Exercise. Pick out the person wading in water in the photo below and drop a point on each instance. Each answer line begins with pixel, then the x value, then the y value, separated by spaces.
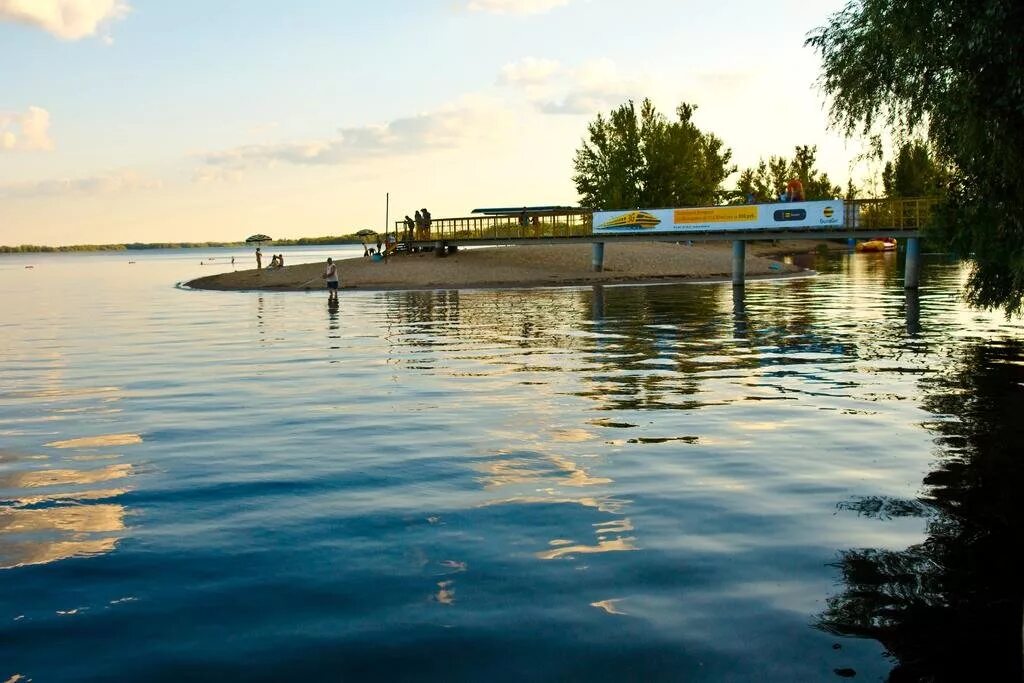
pixel 331 275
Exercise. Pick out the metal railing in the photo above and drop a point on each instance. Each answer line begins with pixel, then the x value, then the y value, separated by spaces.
pixel 892 214
pixel 888 215
pixel 574 223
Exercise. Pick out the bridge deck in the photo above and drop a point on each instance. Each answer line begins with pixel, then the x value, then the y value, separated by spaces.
pixel 864 218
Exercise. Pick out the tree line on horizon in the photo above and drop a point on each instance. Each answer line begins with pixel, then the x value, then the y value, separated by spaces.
pixel 142 246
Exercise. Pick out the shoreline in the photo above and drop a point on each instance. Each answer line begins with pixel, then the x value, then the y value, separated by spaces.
pixel 517 267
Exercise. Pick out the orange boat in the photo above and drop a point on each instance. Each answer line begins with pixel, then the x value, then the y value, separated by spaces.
pixel 883 244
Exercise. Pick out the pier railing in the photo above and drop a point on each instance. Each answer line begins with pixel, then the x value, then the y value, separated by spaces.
pixel 574 223
pixel 889 214
pixel 884 216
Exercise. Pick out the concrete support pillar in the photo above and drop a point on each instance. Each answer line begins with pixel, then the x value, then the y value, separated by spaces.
pixel 912 269
pixel 851 244
pixel 597 259
pixel 739 262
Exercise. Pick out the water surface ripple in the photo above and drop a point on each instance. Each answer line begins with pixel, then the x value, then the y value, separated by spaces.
pixel 667 482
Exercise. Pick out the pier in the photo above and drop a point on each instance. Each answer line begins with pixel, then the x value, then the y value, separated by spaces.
pixel 900 218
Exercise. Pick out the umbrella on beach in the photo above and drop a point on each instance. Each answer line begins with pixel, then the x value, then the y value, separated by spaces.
pixel 258 239
pixel 362 235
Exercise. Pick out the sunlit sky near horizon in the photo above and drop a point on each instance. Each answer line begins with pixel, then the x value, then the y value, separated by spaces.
pixel 144 121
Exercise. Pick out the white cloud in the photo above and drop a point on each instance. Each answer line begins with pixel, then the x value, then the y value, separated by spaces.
pixel 528 72
pixel 587 89
pixel 515 6
pixel 471 119
pixel 114 182
pixel 67 19
pixel 26 131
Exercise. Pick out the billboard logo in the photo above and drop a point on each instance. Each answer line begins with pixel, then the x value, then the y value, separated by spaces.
pixel 791 215
pixel 828 212
pixel 633 219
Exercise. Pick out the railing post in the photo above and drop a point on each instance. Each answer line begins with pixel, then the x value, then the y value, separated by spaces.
pixel 912 267
pixel 739 263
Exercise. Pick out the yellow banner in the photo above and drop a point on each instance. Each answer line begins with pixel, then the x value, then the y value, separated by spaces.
pixel 716 214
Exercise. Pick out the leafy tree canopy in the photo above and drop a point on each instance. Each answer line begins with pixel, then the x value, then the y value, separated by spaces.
pixel 768 179
pixel 915 173
pixel 632 160
pixel 954 69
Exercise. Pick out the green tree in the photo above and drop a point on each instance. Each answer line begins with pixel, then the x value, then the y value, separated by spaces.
pixel 769 178
pixel 914 174
pixel 955 70
pixel 631 160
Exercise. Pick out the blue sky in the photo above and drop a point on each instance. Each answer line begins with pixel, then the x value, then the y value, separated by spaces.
pixel 136 120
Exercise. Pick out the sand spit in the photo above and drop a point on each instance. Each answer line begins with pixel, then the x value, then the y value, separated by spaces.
pixel 518 266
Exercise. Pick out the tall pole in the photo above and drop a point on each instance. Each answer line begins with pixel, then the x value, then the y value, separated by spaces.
pixel 387 216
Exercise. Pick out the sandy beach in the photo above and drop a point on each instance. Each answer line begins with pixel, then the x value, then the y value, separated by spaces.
pixel 518 266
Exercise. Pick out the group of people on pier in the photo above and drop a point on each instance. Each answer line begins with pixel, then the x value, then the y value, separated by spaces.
pixel 418 228
pixel 793 192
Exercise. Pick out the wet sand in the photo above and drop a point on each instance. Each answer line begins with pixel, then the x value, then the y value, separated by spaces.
pixel 519 266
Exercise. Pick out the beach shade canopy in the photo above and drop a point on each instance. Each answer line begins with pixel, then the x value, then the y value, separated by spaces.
pixel 366 232
pixel 258 239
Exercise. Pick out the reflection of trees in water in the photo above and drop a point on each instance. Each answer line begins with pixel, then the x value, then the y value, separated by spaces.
pixel 950 607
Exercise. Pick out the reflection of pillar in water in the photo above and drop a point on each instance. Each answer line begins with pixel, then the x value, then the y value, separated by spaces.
pixel 597 303
pixel 739 312
pixel 913 310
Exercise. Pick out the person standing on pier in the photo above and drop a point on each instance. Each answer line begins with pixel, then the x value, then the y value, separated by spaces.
pixel 795 190
pixel 419 225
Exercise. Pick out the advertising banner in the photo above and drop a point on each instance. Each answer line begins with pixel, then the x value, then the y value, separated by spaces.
pixel 822 214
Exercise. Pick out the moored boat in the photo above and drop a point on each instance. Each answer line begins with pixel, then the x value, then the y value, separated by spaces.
pixel 882 244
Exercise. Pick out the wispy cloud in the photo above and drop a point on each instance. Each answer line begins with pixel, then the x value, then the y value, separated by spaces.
pixel 515 6
pixel 529 71
pixel 29 130
pixel 113 182
pixel 67 19
pixel 445 128
pixel 585 89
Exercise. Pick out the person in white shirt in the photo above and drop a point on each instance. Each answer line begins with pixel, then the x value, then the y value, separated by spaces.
pixel 331 275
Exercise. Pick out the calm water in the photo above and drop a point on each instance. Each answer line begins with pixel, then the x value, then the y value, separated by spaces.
pixel 817 478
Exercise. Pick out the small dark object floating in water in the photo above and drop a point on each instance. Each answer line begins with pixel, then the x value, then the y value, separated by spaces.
pixel 845 673
pixel 30 266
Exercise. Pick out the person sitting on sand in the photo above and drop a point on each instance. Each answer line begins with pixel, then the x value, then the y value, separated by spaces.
pixel 280 260
pixel 331 275
pixel 273 261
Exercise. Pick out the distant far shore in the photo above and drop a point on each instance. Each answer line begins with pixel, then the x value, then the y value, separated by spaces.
pixel 144 246
pixel 518 266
